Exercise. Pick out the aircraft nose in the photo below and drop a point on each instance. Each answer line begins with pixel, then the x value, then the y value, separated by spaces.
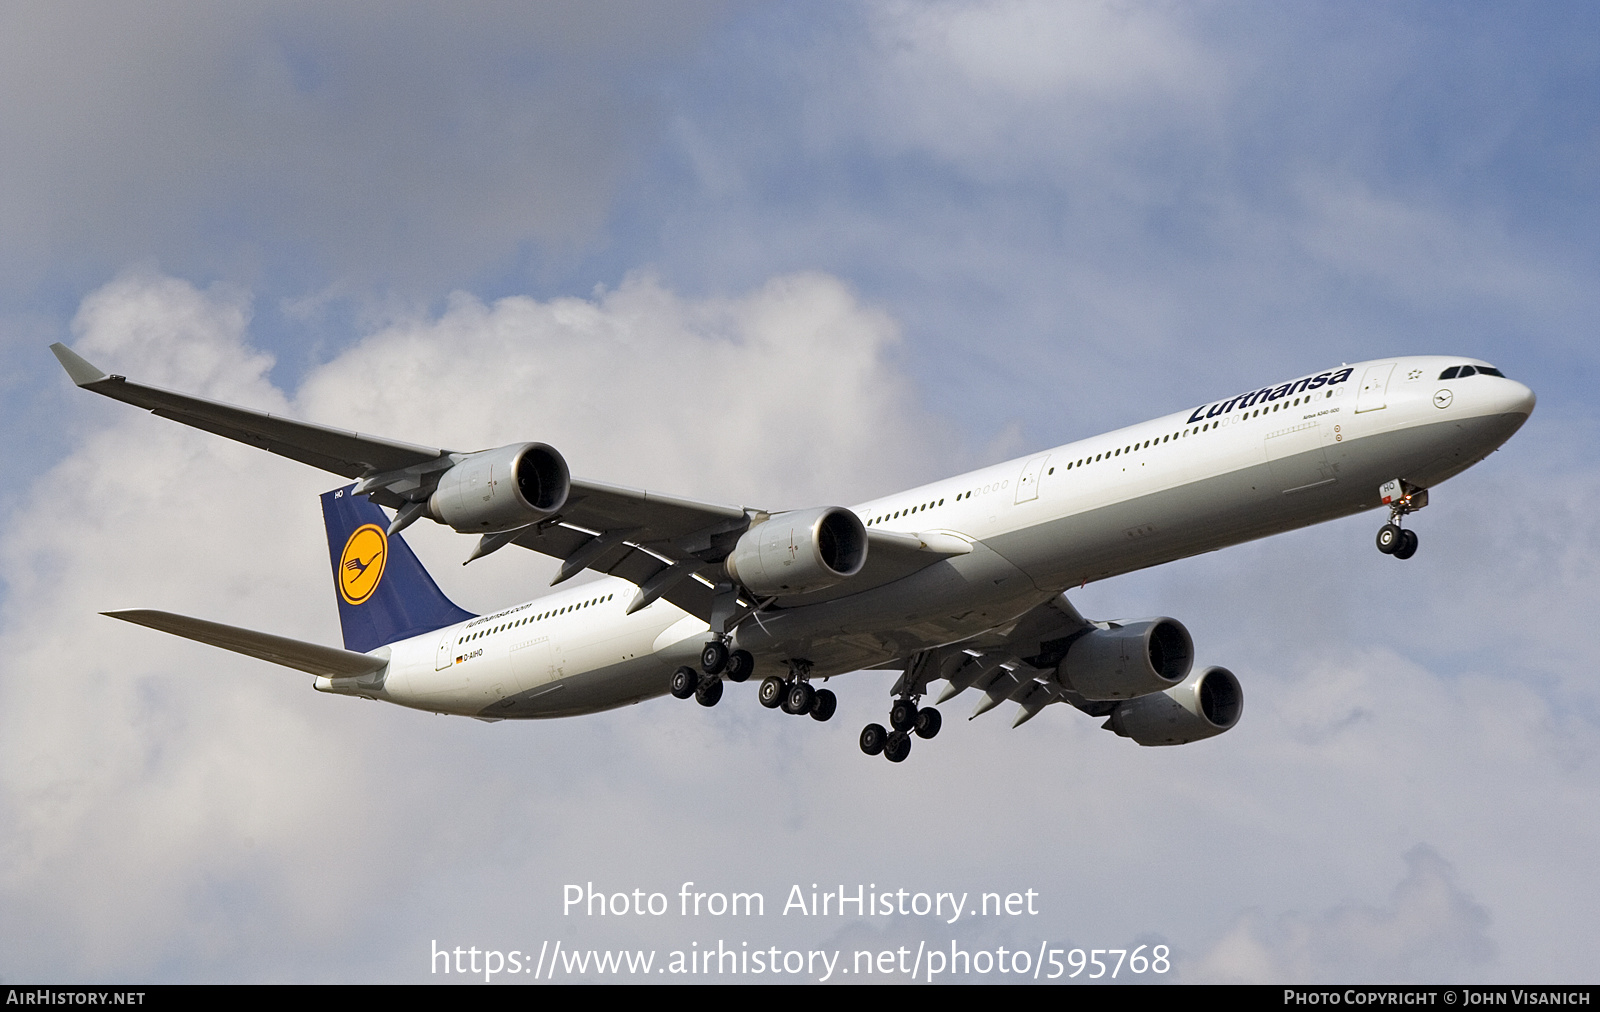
pixel 1516 399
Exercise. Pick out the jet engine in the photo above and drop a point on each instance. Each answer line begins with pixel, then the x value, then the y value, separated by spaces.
pixel 1206 704
pixel 799 551
pixel 1127 660
pixel 502 490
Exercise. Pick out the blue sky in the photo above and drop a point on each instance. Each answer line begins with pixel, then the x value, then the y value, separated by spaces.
pixel 786 255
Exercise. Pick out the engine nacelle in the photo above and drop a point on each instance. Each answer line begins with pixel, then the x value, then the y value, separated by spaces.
pixel 1206 704
pixel 1129 659
pixel 799 551
pixel 502 490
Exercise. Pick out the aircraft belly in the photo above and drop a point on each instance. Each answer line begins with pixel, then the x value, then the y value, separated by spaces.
pixel 1474 439
pixel 604 687
pixel 948 601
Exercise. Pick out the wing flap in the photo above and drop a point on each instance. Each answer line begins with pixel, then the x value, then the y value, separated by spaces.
pixel 310 657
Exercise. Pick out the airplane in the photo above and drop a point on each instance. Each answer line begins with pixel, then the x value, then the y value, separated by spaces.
pixel 962 581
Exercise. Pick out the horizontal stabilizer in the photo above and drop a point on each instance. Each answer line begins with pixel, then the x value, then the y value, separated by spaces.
pixel 315 658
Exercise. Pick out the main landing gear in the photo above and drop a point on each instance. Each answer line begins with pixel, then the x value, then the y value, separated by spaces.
pixel 716 663
pixel 1402 497
pixel 905 719
pixel 796 696
pixel 717 659
pixel 706 689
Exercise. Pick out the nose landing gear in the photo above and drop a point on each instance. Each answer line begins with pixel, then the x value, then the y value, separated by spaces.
pixel 1401 497
pixel 1396 541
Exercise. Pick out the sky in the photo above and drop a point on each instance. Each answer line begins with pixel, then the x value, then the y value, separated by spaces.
pixel 789 255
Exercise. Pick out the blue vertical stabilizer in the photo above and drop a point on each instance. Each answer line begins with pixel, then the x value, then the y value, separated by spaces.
pixel 384 593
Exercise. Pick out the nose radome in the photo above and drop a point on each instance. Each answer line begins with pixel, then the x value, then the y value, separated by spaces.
pixel 1516 399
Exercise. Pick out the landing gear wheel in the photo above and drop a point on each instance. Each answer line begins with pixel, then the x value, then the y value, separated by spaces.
pixel 897 747
pixel 709 692
pixel 772 691
pixel 714 657
pixel 1408 545
pixel 684 681
pixel 1390 537
pixel 928 723
pixel 740 664
pixel 826 703
pixel 873 738
pixel 799 699
pixel 903 715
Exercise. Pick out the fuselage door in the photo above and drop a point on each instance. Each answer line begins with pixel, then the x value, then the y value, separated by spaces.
pixel 1374 387
pixel 1028 484
pixel 447 650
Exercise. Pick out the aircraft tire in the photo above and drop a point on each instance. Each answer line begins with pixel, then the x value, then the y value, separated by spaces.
pixel 772 692
pixel 1408 545
pixel 714 657
pixel 684 681
pixel 740 665
pixel 799 699
pixel 903 716
pixel 873 737
pixel 709 692
pixel 897 747
pixel 928 722
pixel 825 704
pixel 1390 538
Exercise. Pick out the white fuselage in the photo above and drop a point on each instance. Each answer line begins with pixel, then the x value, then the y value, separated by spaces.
pixel 1272 460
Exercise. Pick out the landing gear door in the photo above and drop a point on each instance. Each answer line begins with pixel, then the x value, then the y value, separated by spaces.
pixel 1028 484
pixel 1374 387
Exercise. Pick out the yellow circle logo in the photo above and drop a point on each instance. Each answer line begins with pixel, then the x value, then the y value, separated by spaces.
pixel 361 566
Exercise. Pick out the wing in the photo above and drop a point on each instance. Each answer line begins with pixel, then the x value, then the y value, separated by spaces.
pixel 351 454
pixel 1012 662
pixel 659 542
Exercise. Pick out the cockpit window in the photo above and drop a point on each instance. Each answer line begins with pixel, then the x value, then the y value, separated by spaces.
pixel 1463 371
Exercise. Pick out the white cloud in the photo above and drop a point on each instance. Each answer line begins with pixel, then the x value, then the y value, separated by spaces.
pixel 1430 930
pixel 164 803
pixel 1004 89
pixel 173 811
